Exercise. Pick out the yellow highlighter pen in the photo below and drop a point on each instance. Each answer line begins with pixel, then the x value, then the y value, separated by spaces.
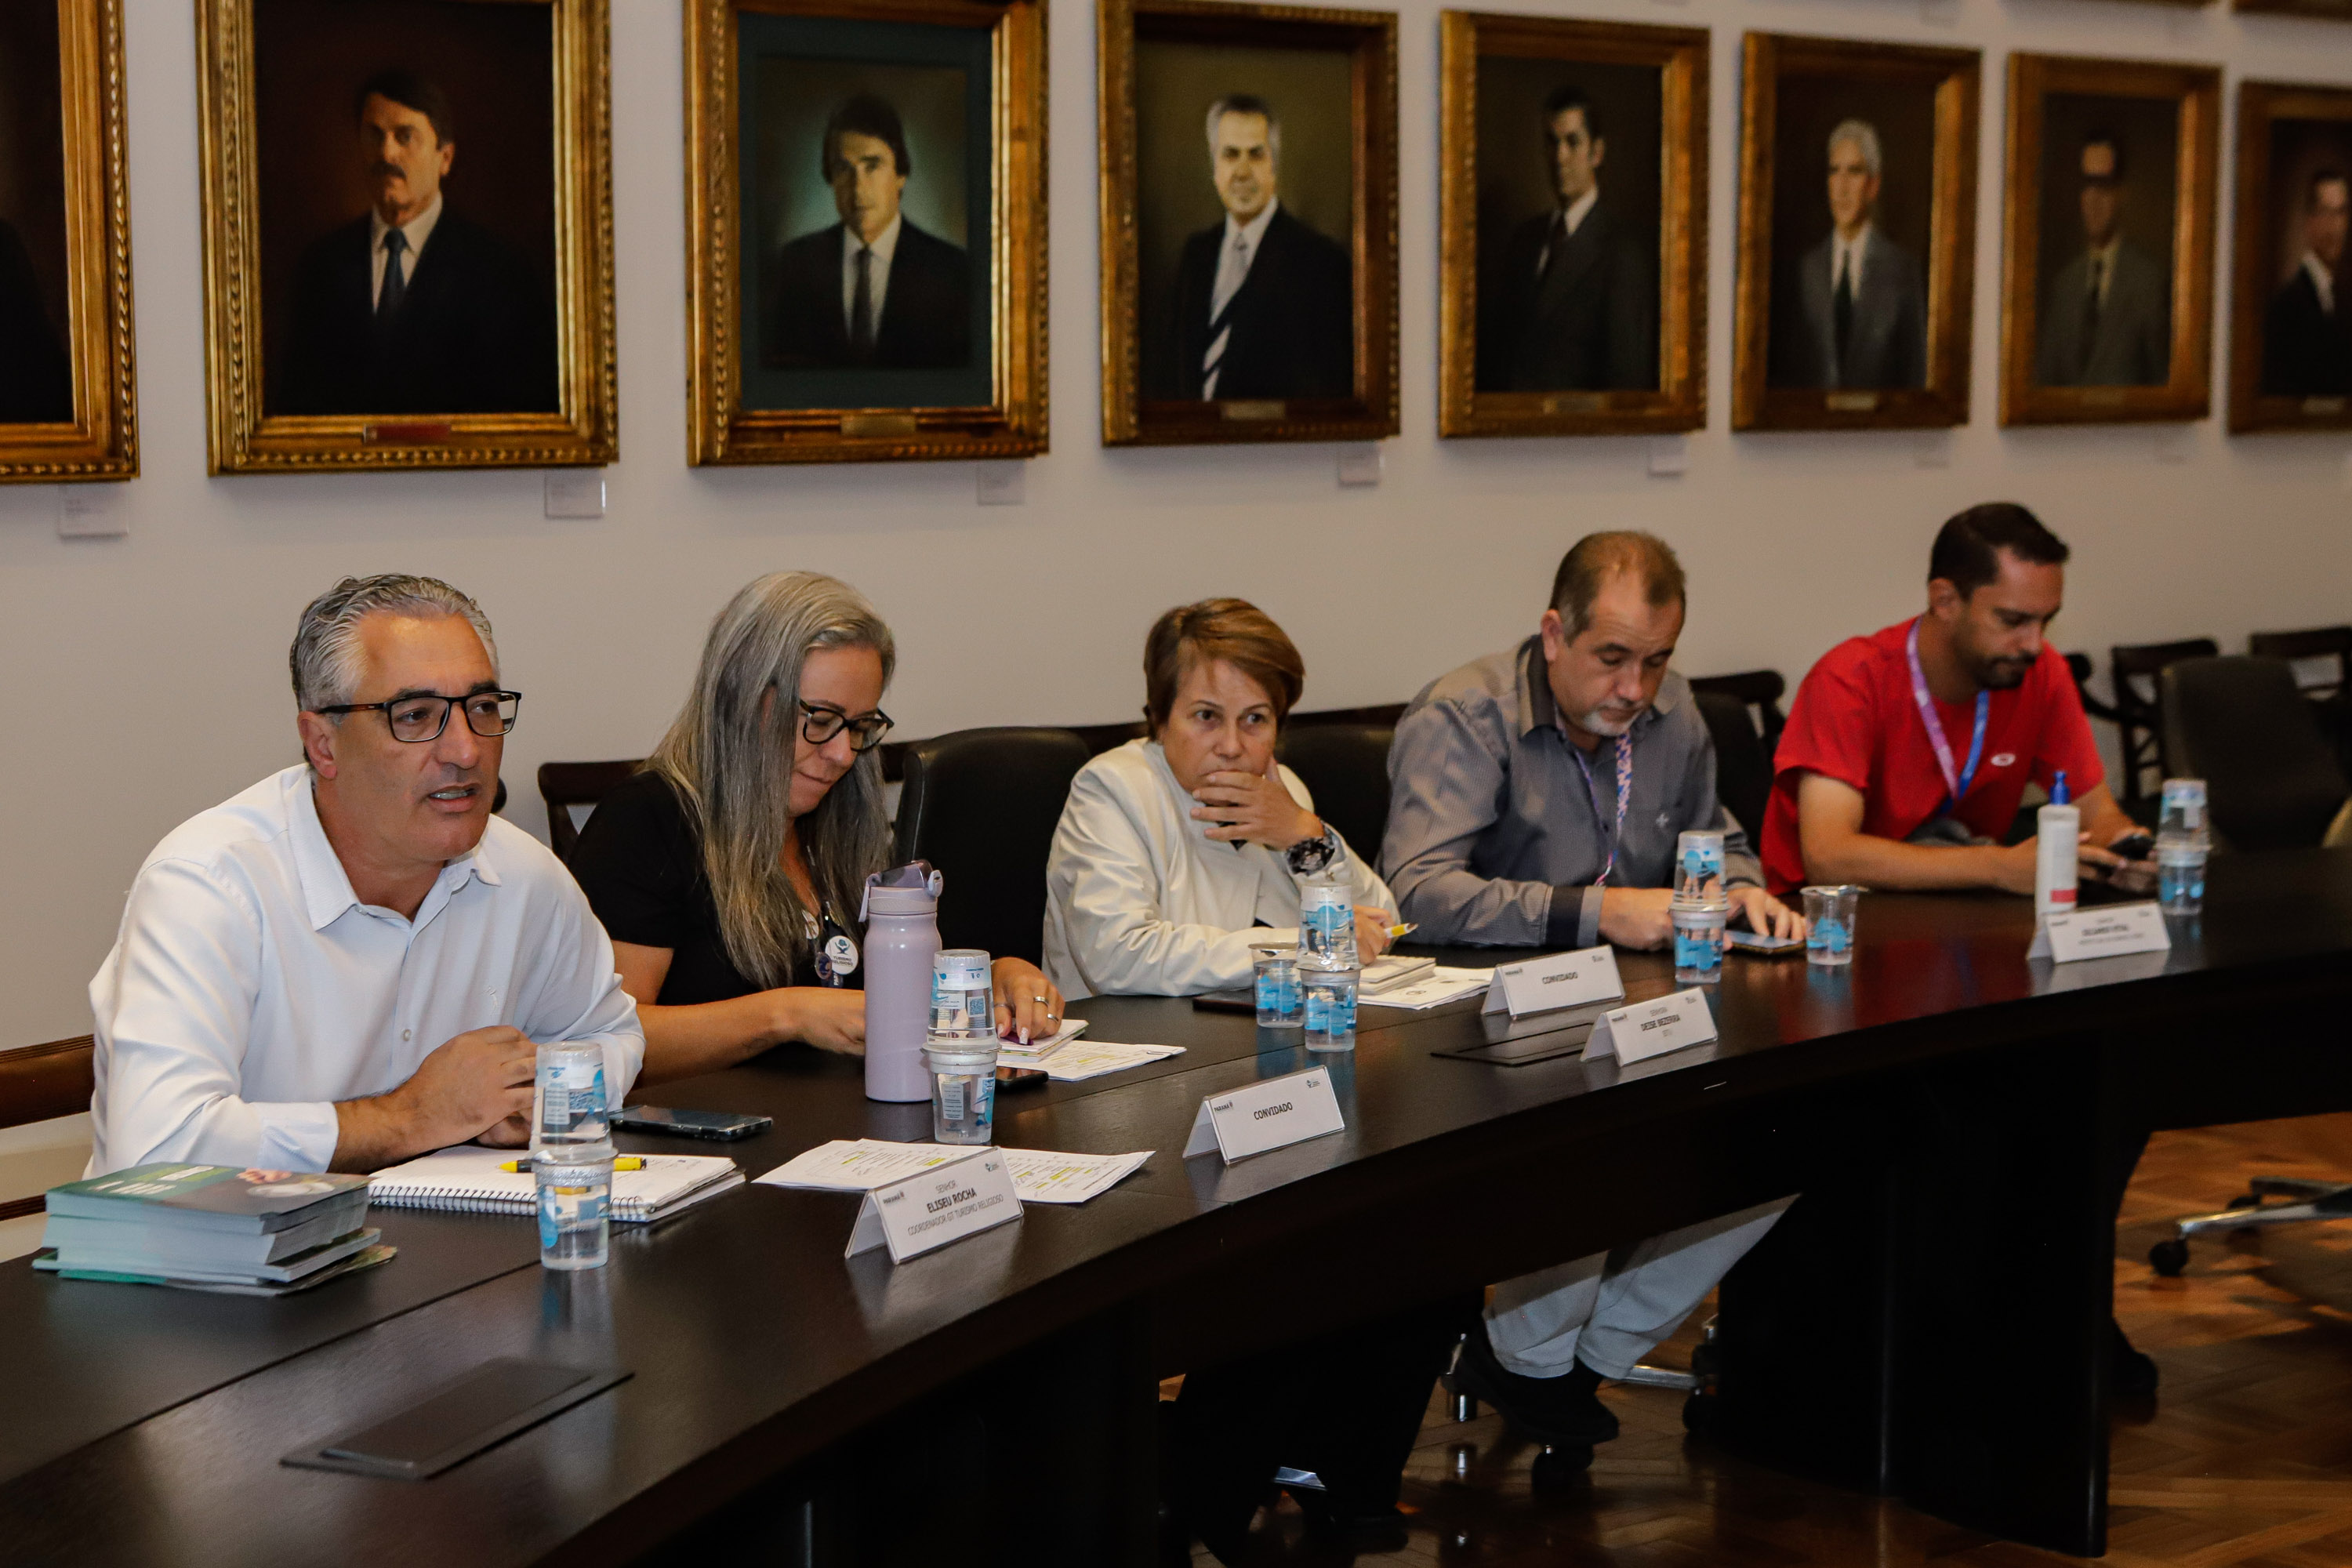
pixel 624 1162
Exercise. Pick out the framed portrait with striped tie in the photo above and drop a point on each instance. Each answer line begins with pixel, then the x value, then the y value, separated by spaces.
pixel 866 246
pixel 2107 255
pixel 408 234
pixel 1573 238
pixel 1857 235
pixel 1249 250
pixel 66 405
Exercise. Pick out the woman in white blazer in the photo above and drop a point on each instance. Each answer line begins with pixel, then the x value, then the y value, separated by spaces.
pixel 1171 850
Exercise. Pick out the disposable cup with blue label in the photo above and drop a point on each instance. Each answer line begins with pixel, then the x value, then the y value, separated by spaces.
pixel 576 1205
pixel 1829 911
pixel 963 1088
pixel 2184 838
pixel 1698 870
pixel 568 1101
pixel 962 1006
pixel 1280 1002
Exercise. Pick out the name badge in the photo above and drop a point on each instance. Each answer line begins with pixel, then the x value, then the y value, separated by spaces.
pixel 2107 933
pixel 1649 1029
pixel 1269 1115
pixel 1563 980
pixel 928 1210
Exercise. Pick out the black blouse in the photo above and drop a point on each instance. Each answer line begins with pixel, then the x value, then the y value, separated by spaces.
pixel 640 862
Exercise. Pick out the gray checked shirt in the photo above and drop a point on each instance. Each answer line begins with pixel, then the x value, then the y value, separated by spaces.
pixel 1494 833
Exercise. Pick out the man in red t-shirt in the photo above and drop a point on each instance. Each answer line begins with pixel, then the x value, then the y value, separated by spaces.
pixel 1865 792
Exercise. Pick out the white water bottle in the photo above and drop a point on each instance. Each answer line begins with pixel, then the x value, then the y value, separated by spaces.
pixel 2058 830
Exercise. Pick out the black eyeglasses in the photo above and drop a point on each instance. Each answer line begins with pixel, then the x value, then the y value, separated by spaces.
pixel 819 725
pixel 414 720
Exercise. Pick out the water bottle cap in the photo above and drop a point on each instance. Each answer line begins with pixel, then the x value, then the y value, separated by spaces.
pixel 2058 794
pixel 912 889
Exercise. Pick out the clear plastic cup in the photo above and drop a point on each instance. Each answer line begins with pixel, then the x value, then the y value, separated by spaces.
pixel 568 1095
pixel 1698 870
pixel 1326 924
pixel 1699 935
pixel 1280 1005
pixel 576 1205
pixel 1829 911
pixel 963 1090
pixel 960 994
pixel 1330 1008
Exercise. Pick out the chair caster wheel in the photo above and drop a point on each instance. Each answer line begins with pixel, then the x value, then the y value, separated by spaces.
pixel 1705 1360
pixel 2169 1259
pixel 1556 1468
pixel 1699 1415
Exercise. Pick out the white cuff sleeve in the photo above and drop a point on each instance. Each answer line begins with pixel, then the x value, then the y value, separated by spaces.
pixel 297 1137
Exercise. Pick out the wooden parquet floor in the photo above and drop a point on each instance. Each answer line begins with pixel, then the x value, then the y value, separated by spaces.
pixel 2244 1460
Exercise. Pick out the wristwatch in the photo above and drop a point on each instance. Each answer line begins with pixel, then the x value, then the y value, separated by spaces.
pixel 1310 855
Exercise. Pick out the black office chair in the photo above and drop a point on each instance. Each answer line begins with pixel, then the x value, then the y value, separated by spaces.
pixel 2271 779
pixel 2139 713
pixel 1761 690
pixel 2331 695
pixel 1346 768
pixel 981 805
pixel 564 785
pixel 1743 766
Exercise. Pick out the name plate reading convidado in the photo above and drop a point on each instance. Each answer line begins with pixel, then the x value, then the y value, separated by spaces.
pixel 2108 933
pixel 1562 980
pixel 947 1203
pixel 1270 1115
pixel 1647 1029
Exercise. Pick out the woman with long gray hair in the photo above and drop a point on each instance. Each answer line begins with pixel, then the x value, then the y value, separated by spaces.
pixel 729 871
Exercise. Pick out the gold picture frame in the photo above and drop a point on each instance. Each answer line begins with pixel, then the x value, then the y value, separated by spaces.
pixel 1359 84
pixel 99 438
pixel 2292 138
pixel 573 346
pixel 1468 262
pixel 1916 377
pixel 2173 111
pixel 744 410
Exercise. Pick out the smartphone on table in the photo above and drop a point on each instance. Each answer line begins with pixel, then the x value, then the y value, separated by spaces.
pixel 713 1126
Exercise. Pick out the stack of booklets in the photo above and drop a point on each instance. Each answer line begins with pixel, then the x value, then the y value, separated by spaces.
pixel 473 1181
pixel 211 1227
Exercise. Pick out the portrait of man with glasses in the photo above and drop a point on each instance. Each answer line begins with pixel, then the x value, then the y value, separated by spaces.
pixel 352 961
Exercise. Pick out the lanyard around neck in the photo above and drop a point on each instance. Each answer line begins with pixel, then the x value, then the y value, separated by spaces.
pixel 1624 795
pixel 1956 779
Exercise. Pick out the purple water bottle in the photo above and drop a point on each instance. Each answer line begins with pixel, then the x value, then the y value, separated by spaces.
pixel 901 913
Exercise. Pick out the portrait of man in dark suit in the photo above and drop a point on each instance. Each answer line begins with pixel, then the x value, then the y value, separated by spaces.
pixel 35 377
pixel 415 307
pixel 2106 316
pixel 2307 330
pixel 1857 316
pixel 1263 305
pixel 1573 303
pixel 872 290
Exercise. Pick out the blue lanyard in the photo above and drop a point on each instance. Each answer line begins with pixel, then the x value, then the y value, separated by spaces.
pixel 1624 795
pixel 1957 781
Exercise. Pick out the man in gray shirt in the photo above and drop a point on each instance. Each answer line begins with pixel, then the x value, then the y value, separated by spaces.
pixel 1535 798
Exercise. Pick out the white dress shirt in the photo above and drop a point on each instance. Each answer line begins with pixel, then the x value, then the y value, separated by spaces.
pixel 249 989
pixel 2322 279
pixel 1240 250
pixel 1141 901
pixel 2102 268
pixel 1848 257
pixel 1571 220
pixel 877 281
pixel 414 233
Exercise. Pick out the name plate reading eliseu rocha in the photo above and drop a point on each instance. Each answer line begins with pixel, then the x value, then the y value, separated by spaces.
pixel 1647 1029
pixel 947 1203
pixel 1269 1115
pixel 1562 980
pixel 2108 933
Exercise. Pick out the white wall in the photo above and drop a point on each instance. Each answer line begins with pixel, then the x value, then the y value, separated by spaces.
pixel 143 679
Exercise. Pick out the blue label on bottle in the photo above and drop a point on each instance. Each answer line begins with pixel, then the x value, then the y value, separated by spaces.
pixel 1829 936
pixel 1696 950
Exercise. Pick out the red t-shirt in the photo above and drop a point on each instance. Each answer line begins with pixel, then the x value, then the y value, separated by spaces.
pixel 1855 721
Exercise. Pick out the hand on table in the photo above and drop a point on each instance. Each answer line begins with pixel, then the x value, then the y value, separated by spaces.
pixel 827 1018
pixel 1028 1006
pixel 1637 917
pixel 471 1085
pixel 2106 866
pixel 1768 916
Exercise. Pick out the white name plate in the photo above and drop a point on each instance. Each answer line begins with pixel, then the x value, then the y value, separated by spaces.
pixel 1269 1115
pixel 2108 933
pixel 928 1210
pixel 1563 980
pixel 1647 1029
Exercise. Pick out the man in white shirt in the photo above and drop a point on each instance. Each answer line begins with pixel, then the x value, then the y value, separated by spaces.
pixel 348 964
pixel 1860 310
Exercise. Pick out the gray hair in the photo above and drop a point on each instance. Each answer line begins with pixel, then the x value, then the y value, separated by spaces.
pixel 1245 103
pixel 325 657
pixel 1864 135
pixel 729 755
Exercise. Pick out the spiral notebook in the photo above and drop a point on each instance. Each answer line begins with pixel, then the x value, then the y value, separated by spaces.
pixel 468 1178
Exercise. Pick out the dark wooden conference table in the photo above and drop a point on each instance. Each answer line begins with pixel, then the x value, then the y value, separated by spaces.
pixel 1929 1322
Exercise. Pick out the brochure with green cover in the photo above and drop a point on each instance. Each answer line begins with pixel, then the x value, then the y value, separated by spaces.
pixel 214 1198
pixel 48 1263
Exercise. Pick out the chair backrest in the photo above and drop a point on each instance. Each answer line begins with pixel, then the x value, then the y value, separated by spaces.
pixel 2319 642
pixel 1759 690
pixel 566 784
pixel 2139 708
pixel 1743 766
pixel 1346 768
pixel 41 1083
pixel 2270 778
pixel 981 807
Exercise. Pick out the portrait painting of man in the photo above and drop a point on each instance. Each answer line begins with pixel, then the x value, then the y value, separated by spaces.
pixel 1261 305
pixel 1569 293
pixel 36 372
pixel 2308 329
pixel 1857 313
pixel 2106 316
pixel 874 289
